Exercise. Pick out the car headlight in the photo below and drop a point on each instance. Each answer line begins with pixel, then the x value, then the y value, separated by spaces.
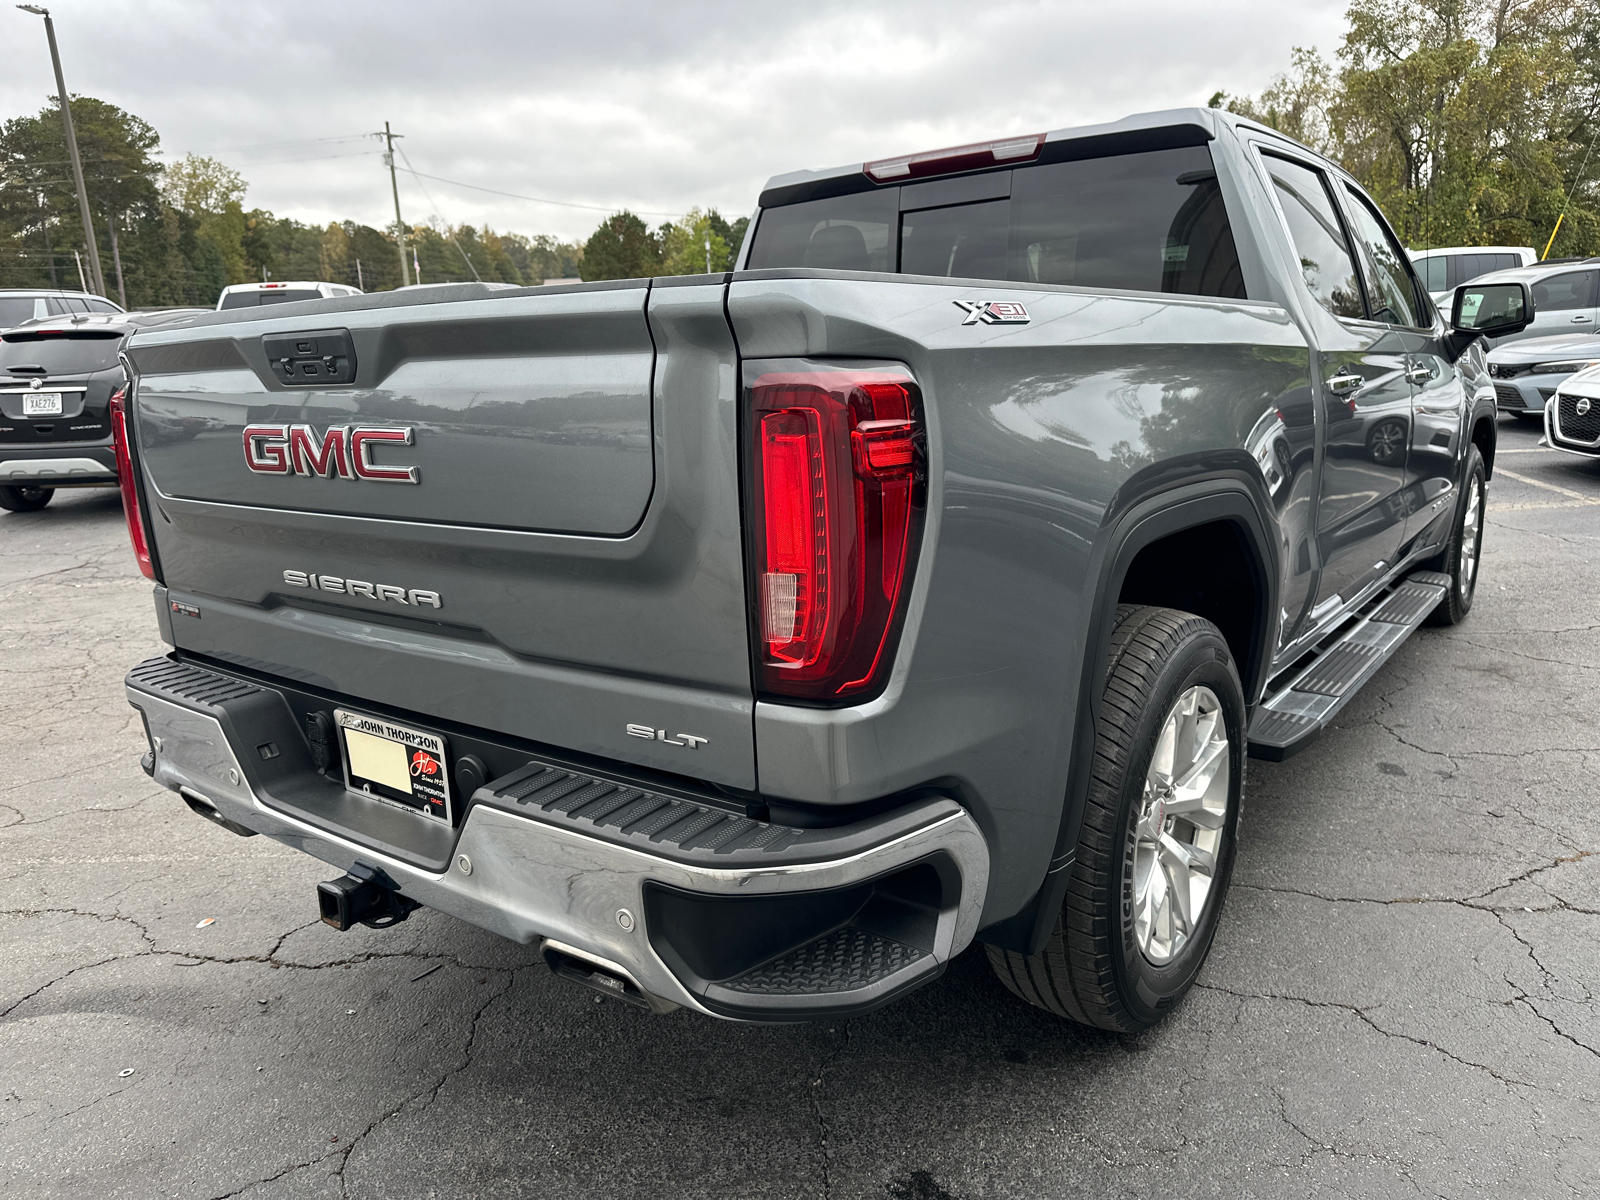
pixel 1565 367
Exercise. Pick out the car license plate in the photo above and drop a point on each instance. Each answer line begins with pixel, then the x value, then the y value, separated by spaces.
pixel 41 404
pixel 402 767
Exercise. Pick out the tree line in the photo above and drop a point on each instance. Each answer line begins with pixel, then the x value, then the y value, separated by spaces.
pixel 1471 122
pixel 177 234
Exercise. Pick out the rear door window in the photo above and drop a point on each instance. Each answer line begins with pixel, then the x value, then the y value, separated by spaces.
pixel 1435 272
pixel 1571 289
pixel 1152 221
pixel 1318 236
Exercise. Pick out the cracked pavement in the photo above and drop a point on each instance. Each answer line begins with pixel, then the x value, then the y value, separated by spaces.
pixel 1400 1001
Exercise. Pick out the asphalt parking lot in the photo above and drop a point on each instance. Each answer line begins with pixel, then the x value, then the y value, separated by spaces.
pixel 1401 999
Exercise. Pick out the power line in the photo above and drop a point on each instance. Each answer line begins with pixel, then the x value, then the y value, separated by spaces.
pixel 536 199
pixel 447 230
pixel 349 137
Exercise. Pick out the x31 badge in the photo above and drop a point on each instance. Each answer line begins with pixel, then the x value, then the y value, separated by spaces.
pixel 993 312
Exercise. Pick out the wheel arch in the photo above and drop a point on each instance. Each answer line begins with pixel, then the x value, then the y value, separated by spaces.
pixel 1141 518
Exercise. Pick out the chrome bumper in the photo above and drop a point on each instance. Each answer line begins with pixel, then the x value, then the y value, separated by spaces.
pixel 527 880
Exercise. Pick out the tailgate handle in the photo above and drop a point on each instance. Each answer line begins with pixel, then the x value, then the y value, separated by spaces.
pixel 315 358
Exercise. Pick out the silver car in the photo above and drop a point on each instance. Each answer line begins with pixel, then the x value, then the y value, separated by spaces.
pixel 1565 298
pixel 1527 373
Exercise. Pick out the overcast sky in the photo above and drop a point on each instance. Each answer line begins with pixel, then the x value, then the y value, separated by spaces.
pixel 611 104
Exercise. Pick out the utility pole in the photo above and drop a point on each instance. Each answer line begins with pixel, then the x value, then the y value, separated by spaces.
pixel 116 257
pixel 360 283
pixel 72 148
pixel 708 254
pixel 400 225
pixel 44 224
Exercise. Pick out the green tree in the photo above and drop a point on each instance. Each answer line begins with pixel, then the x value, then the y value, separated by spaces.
pixel 622 248
pixel 1469 120
pixel 40 222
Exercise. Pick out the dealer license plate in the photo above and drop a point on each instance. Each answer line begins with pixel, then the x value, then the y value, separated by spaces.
pixel 41 404
pixel 403 767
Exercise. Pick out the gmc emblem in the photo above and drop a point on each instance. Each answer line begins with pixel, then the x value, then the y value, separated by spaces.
pixel 343 451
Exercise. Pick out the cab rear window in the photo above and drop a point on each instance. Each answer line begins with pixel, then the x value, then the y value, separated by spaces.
pixel 256 299
pixel 1152 221
pixel 80 352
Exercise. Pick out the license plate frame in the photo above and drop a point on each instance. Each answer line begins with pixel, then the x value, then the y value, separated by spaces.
pixel 43 404
pixel 397 765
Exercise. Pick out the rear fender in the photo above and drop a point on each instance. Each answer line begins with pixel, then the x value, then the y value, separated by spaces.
pixel 1141 516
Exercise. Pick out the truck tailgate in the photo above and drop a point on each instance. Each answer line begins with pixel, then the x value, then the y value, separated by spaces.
pixel 567 562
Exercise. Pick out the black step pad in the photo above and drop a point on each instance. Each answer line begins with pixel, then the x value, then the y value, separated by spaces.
pixel 1411 601
pixel 1336 671
pixel 841 961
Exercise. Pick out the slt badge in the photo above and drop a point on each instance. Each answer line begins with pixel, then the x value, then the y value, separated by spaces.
pixel 993 312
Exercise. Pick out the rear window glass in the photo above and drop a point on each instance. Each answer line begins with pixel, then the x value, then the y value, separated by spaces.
pixel 75 355
pixel 14 310
pixel 1151 221
pixel 845 233
pixel 256 299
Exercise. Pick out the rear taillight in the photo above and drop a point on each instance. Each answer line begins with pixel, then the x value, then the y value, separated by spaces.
pixel 837 458
pixel 125 480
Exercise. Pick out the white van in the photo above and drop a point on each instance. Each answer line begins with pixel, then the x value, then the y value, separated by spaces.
pixel 1445 268
pixel 252 295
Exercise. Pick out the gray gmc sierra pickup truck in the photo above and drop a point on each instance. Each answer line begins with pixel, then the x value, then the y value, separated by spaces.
pixel 753 643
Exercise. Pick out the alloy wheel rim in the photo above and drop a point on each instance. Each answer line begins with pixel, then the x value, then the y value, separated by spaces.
pixel 1179 828
pixel 1471 531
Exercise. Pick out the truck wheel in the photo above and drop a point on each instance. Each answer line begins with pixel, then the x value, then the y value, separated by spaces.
pixel 1459 558
pixel 25 499
pixel 1156 847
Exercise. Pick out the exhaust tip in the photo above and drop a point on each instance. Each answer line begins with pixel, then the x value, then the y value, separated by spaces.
pixel 600 977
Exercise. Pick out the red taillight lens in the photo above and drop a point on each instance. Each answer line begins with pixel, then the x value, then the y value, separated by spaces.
pixel 125 480
pixel 837 456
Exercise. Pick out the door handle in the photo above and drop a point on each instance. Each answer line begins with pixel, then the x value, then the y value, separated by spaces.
pixel 1419 373
pixel 1343 385
pixel 1580 320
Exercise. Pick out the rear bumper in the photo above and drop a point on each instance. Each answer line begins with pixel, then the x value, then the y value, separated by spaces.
pixel 57 466
pixel 757 922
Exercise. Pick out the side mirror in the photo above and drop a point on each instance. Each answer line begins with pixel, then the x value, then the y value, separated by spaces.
pixel 1488 310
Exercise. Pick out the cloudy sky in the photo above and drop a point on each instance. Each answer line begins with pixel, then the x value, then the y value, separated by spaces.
pixel 612 104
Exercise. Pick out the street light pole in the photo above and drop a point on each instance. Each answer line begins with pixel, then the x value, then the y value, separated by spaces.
pixel 399 225
pixel 72 148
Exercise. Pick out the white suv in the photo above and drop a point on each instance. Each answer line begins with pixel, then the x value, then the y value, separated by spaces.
pixel 252 295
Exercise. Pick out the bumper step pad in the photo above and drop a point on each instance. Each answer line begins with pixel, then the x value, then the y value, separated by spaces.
pixel 841 961
pixel 1289 720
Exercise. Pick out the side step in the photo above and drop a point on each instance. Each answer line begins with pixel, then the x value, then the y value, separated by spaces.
pixel 1290 719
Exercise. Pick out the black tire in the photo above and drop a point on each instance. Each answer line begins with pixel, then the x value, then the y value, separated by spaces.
pixel 1093 969
pixel 25 499
pixel 1463 568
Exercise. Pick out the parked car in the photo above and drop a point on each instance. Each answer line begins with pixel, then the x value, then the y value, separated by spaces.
pixel 28 304
pixel 754 643
pixel 1566 298
pixel 1572 415
pixel 1526 372
pixel 1445 268
pixel 254 295
pixel 57 376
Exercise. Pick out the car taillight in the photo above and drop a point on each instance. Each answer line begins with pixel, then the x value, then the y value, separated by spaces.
pixel 837 457
pixel 129 486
